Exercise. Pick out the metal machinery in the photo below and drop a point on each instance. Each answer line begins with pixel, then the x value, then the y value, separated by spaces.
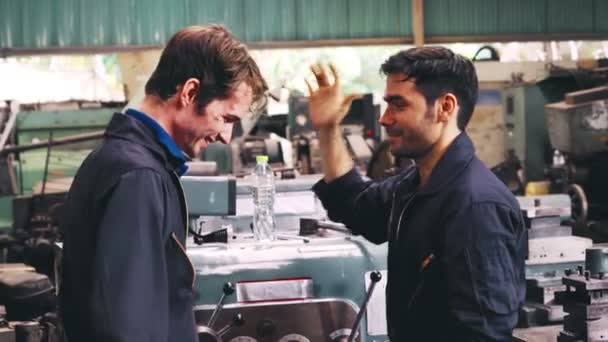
pixel 539 122
pixel 578 129
pixel 585 300
pixel 311 286
pixel 34 188
pixel 552 250
pixel 291 142
pixel 360 128
pixel 525 129
pixel 308 285
pixel 316 282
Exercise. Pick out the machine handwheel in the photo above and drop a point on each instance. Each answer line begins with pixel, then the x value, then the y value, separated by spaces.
pixel 580 206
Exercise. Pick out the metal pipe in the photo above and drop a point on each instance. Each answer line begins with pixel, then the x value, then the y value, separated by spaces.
pixel 54 142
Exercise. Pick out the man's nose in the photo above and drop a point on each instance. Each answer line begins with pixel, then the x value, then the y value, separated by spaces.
pixel 385 119
pixel 225 136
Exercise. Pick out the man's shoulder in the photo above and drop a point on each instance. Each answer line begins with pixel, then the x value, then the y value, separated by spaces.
pixel 123 154
pixel 112 159
pixel 477 185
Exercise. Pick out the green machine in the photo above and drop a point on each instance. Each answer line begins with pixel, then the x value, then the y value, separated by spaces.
pixel 526 128
pixel 319 284
pixel 63 161
pixel 45 168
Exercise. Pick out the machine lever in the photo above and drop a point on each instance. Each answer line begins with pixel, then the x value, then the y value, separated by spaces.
pixel 309 226
pixel 375 277
pixel 237 321
pixel 227 290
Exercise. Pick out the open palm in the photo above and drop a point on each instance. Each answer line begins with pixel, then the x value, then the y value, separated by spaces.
pixel 327 105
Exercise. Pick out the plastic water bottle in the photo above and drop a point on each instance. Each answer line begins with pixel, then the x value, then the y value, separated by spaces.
pixel 263 200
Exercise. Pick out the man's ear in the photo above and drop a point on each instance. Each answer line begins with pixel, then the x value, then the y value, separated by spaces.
pixel 188 92
pixel 448 105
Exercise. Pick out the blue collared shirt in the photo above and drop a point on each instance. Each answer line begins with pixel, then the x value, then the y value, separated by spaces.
pixel 163 138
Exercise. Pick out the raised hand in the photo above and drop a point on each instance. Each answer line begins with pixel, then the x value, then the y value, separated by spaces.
pixel 327 105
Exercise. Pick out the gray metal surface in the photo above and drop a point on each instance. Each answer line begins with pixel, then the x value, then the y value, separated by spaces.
pixel 596 259
pixel 586 312
pixel 308 320
pixel 561 249
pixel 553 200
pixel 335 263
pixel 253 291
pixel 546 232
pixel 537 334
pixel 210 195
pixel 7 334
pixel 595 329
pixel 579 129
pixel 586 285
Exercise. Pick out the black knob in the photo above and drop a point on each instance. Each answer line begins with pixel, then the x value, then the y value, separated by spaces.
pixel 375 276
pixel 587 275
pixel 537 202
pixel 266 328
pixel 568 272
pixel 238 320
pixel 228 288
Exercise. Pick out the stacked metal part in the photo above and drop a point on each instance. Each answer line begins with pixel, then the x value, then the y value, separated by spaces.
pixel 586 299
pixel 551 250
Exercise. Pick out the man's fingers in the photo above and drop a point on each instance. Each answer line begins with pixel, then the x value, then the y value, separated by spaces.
pixel 310 91
pixel 321 76
pixel 334 72
pixel 348 100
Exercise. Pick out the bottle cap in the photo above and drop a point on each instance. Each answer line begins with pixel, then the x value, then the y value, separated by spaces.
pixel 261 159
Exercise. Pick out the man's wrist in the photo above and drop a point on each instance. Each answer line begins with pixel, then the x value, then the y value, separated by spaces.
pixel 330 129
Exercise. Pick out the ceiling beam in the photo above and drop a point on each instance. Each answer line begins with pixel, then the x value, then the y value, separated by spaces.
pixel 418 22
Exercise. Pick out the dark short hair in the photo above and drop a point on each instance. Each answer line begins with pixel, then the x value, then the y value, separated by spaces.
pixel 212 55
pixel 436 71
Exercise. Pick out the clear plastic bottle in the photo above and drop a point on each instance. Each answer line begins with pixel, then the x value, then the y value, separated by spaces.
pixel 263 200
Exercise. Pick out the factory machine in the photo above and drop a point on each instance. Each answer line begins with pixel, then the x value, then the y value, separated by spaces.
pixel 315 282
pixel 578 130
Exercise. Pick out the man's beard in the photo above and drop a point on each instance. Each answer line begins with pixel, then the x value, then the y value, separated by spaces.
pixel 416 149
pixel 413 152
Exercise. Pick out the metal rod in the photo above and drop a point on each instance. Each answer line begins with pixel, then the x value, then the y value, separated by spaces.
pixel 217 310
pixel 56 142
pixel 46 163
pixel 375 277
pixel 8 127
pixel 237 321
pixel 338 227
pixel 225 329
